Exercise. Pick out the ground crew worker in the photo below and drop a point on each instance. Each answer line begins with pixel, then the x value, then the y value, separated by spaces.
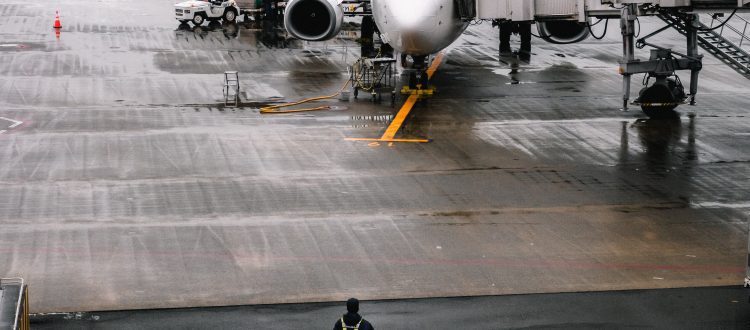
pixel 352 320
pixel 366 37
pixel 523 28
pixel 269 12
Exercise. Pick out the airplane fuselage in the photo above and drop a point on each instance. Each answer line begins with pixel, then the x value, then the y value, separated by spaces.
pixel 418 27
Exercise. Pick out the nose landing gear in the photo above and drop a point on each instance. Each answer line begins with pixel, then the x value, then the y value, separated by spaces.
pixel 419 79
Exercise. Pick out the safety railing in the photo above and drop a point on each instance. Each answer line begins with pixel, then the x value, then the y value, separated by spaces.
pixel 737 27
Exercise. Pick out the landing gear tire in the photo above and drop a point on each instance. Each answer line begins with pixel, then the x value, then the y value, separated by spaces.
pixel 198 20
pixel 356 92
pixel 412 80
pixel 658 101
pixel 424 80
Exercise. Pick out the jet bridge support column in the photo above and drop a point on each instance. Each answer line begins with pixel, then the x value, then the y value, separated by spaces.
pixel 627 28
pixel 692 52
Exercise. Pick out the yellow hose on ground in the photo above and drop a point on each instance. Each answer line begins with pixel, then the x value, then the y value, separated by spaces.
pixel 275 108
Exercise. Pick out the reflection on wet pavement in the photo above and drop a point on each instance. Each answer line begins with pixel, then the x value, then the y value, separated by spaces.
pixel 127 174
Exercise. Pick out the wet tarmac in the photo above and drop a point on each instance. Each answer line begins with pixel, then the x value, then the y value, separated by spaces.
pixel 125 183
pixel 686 308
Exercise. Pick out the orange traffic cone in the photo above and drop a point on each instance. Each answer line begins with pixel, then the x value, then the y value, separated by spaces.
pixel 57 25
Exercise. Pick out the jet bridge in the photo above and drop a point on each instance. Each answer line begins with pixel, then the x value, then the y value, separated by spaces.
pixel 544 10
pixel 568 21
pixel 666 93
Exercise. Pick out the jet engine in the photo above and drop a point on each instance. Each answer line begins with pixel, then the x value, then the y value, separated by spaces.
pixel 563 32
pixel 313 20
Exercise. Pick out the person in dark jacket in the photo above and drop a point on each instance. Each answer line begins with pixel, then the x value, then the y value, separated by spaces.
pixel 352 320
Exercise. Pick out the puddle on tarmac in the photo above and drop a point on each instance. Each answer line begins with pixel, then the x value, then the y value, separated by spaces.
pixel 365 121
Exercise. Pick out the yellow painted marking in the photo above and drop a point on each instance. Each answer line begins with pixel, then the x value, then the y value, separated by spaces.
pixel 435 65
pixel 398 121
pixel 376 140
pixel 408 91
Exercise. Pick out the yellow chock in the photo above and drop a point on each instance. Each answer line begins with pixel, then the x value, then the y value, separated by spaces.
pixel 418 91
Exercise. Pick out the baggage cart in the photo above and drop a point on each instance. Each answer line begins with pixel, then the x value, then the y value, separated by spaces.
pixel 374 75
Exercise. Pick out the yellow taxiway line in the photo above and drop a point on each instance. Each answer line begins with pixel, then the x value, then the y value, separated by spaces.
pixel 398 121
pixel 388 140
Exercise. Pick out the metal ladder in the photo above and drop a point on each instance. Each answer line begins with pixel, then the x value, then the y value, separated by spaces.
pixel 715 43
pixel 231 88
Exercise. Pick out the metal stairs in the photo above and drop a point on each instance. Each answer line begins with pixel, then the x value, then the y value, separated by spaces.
pixel 231 89
pixel 713 40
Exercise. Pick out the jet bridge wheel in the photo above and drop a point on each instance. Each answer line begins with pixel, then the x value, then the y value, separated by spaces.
pixel 658 101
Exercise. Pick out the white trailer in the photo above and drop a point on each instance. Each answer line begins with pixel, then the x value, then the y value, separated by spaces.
pixel 543 10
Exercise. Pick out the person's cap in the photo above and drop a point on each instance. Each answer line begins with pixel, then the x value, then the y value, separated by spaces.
pixel 352 305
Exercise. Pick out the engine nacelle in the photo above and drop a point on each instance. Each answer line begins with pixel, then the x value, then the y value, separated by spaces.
pixel 563 32
pixel 313 20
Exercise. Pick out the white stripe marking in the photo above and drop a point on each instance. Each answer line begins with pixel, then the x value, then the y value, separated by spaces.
pixel 711 205
pixel 15 123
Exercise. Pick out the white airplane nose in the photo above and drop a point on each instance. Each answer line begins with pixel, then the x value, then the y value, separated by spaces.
pixel 415 21
pixel 415 14
pixel 413 41
pixel 417 27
